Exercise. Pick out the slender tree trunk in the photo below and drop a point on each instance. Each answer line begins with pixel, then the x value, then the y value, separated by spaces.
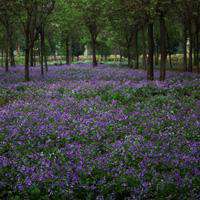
pixel 2 55
pixel 46 62
pixel 150 69
pixel 94 58
pixel 27 55
pixel 7 59
pixel 67 51
pixel 42 50
pixel 129 56
pixel 190 65
pixel 170 60
pixel 136 51
pixel 197 45
pixel 12 56
pixel 157 54
pixel 32 57
pixel 45 52
pixel 144 49
pixel 185 47
pixel 163 50
pixel 7 46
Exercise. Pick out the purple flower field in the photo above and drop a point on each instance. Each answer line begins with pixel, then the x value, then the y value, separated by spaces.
pixel 99 133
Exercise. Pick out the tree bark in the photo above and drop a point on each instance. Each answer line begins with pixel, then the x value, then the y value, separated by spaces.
pixel 190 65
pixel 27 54
pixel 42 50
pixel 144 49
pixel 7 42
pixel 170 60
pixel 163 45
pixel 7 59
pixel 185 46
pixel 129 56
pixel 136 51
pixel 67 44
pixel 32 57
pixel 196 52
pixel 12 56
pixel 157 54
pixel 46 62
pixel 150 69
pixel 94 58
pixel 2 55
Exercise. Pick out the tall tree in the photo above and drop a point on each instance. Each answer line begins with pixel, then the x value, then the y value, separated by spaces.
pixel 93 16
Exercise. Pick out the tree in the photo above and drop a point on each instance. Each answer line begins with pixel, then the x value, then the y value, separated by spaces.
pixel 8 20
pixel 162 8
pixel 93 16
pixel 67 20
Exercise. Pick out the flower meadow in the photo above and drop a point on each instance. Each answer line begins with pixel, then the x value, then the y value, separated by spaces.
pixel 99 133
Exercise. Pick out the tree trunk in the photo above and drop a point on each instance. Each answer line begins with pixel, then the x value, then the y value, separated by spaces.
pixel 129 57
pixel 9 45
pixel 12 56
pixel 31 57
pixel 27 54
pixel 46 62
pixel 42 50
pixel 150 69
pixel 2 55
pixel 190 66
pixel 185 47
pixel 136 51
pixel 67 51
pixel 45 52
pixel 170 60
pixel 34 59
pixel 163 45
pixel 7 42
pixel 7 59
pixel 157 54
pixel 197 45
pixel 94 58
pixel 144 49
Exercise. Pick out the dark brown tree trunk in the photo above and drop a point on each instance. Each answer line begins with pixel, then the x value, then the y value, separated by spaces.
pixel 31 57
pixel 94 58
pixel 196 52
pixel 150 69
pixel 12 56
pixel 42 50
pixel 2 55
pixel 157 54
pixel 185 47
pixel 34 59
pixel 144 49
pixel 163 51
pixel 136 51
pixel 7 59
pixel 45 52
pixel 129 56
pixel 67 51
pixel 46 62
pixel 190 65
pixel 7 46
pixel 170 60
pixel 27 54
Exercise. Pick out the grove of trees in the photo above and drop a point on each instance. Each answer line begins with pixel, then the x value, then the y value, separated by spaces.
pixel 143 32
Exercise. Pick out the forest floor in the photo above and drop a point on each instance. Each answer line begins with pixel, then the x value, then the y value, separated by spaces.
pixel 97 133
